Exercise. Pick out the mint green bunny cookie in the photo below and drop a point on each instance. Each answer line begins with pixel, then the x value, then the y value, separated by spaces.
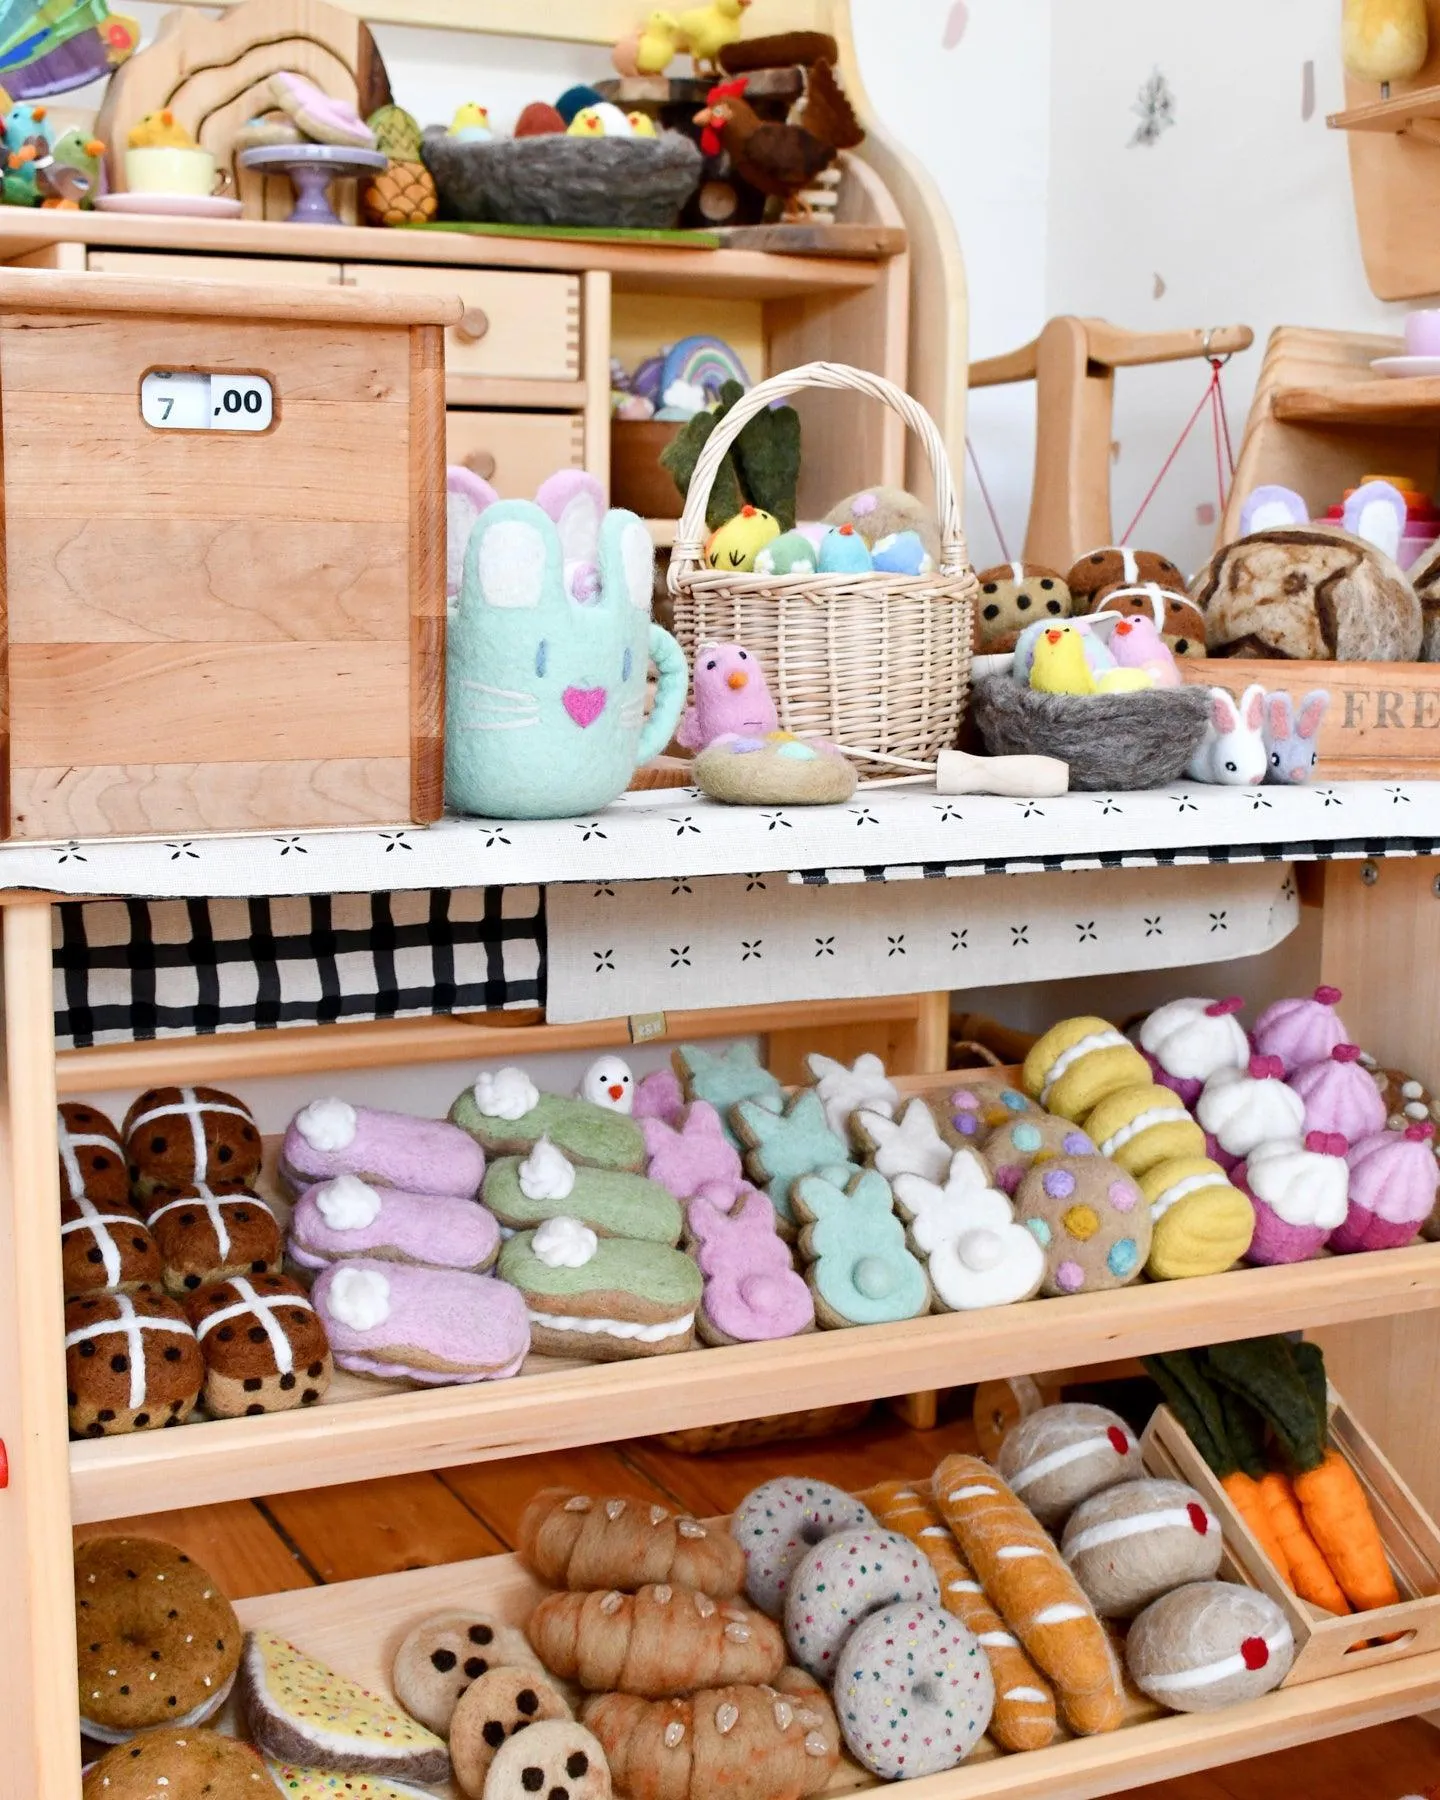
pixel 546 666
pixel 725 1078
pixel 861 1270
pixel 780 1147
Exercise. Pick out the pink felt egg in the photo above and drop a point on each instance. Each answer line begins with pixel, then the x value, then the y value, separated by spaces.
pixel 1393 1183
pixel 1301 1031
pixel 1339 1095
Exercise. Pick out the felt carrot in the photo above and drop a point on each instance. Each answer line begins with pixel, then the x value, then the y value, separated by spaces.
pixel 1310 1574
pixel 1340 1520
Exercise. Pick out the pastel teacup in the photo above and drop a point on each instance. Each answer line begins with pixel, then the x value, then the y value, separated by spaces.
pixel 171 169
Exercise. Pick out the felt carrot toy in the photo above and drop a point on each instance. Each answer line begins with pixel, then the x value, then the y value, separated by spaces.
pixel 1310 1574
pixel 1199 1409
pixel 1289 1391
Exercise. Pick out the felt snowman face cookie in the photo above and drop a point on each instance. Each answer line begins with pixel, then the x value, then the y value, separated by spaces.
pixel 1090 1219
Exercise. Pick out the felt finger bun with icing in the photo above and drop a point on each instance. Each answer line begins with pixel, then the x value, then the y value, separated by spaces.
pixel 1077 1063
pixel 1138 1127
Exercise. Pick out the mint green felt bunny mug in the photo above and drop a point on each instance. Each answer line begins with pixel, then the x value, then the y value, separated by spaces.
pixel 549 648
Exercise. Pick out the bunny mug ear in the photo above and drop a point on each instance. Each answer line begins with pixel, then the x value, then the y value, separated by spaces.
pixel 627 560
pixel 513 560
pixel 467 496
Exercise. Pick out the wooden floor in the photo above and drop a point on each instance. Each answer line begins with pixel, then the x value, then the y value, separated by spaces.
pixel 415 1521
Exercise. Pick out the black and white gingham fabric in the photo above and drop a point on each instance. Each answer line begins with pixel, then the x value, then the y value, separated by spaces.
pixel 136 969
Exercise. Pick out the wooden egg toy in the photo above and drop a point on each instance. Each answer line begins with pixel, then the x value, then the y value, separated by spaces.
pixel 1130 1544
pixel 1211 1644
pixel 1062 1454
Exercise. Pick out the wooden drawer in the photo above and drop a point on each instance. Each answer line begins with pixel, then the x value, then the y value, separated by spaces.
pixel 518 327
pixel 515 451
pixel 264 271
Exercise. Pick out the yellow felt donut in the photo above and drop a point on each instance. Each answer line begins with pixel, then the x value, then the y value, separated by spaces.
pixel 1077 1063
pixel 1202 1222
pixel 1140 1126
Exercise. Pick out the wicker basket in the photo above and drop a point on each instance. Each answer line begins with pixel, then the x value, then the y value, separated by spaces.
pixel 879 664
pixel 747 1434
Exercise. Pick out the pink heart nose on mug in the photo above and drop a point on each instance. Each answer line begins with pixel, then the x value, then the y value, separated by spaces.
pixel 584 705
pixel 1422 332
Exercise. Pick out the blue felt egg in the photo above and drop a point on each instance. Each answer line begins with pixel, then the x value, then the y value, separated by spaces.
pixel 903 553
pixel 844 552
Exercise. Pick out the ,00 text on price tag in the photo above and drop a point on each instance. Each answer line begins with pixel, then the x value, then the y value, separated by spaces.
pixel 193 400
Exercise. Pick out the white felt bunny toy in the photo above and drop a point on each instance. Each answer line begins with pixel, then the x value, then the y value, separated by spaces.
pixel 1233 753
pixel 976 1255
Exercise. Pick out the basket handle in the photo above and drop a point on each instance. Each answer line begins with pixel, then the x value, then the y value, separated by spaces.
pixel 691 534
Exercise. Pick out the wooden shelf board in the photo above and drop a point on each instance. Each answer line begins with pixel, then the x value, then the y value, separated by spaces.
pixel 362 1432
pixel 529 396
pixel 356 1627
pixel 1394 114
pixel 1414 403
pixel 647 268
pixel 663 532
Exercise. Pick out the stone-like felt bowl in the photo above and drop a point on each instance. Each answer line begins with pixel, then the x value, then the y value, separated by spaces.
pixel 1109 740
pixel 625 183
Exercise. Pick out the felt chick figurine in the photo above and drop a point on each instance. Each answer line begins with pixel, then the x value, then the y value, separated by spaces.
pixel 1060 666
pixel 732 698
pixel 471 124
pixel 1136 644
pixel 160 131
pixel 975 1252
pixel 609 1081
pixel 736 544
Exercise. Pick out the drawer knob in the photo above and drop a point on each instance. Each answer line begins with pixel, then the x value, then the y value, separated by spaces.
pixel 474 323
pixel 481 463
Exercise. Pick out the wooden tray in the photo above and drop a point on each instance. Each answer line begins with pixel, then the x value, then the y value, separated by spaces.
pixel 1384 718
pixel 356 1627
pixel 1327 1646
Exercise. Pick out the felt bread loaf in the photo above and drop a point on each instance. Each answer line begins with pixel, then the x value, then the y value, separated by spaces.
pixel 1024 1716
pixel 745 1742
pixel 579 1542
pixel 1033 1591
pixel 661 1641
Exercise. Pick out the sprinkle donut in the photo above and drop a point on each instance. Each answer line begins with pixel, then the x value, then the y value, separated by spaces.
pixel 913 1691
pixel 778 1524
pixel 845 1579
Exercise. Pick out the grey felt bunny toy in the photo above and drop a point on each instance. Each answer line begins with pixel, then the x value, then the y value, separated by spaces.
pixel 1292 736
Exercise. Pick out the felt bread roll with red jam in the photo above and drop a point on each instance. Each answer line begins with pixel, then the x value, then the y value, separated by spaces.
pixel 1060 1455
pixel 1130 1544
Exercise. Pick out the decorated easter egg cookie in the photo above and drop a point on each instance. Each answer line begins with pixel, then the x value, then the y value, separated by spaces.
pixel 1090 1219
pixel 1012 1151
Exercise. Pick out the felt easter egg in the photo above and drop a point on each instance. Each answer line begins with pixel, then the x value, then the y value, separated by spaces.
pixel 1077 1063
pixel 844 552
pixel 1061 1455
pixel 792 553
pixel 1188 1041
pixel 734 547
pixel 1130 1544
pixel 1140 1126
pixel 1091 1221
pixel 1201 1222
pixel 1301 1031
pixel 1209 1644
pixel 902 553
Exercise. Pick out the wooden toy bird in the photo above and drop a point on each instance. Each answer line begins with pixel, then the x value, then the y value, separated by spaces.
pixel 707 30
pixel 1385 40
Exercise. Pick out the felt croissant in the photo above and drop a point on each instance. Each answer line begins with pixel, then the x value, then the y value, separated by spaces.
pixel 747 1743
pixel 664 1640
pixel 576 1541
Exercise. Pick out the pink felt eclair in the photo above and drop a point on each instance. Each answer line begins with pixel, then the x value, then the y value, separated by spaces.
pixel 348 1217
pixel 386 1149
pixel 438 1327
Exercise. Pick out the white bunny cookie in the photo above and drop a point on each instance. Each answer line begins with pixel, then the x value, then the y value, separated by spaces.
pixel 975 1253
pixel 909 1145
pixel 844 1090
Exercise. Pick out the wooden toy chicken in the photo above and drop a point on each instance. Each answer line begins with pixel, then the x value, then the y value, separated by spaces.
pixel 1385 40
pixel 781 160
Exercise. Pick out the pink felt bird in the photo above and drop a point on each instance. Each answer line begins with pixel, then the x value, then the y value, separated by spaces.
pixel 732 698
pixel 1136 644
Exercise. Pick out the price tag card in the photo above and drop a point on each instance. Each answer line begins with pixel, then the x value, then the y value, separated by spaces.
pixel 192 400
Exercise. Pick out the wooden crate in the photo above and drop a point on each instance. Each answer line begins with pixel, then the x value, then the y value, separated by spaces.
pixel 1384 718
pixel 1326 1645
pixel 220 630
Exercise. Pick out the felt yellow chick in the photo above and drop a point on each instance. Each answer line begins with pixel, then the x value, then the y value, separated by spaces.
pixel 1060 665
pixel 740 540
pixel 587 123
pixel 160 130
pixel 651 49
pixel 471 124
pixel 642 125
pixel 1385 40
pixel 1124 681
pixel 708 29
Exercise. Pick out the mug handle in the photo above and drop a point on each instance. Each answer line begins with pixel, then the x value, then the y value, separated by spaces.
pixel 224 181
pixel 669 660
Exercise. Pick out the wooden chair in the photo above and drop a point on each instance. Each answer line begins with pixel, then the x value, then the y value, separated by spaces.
pixel 1073 364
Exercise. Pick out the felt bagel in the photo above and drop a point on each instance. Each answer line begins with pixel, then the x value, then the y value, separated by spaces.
pixel 1077 1063
pixel 1140 1126
pixel 157 1642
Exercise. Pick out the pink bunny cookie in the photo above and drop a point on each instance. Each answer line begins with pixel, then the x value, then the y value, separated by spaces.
pixel 752 1292
pixel 348 1217
pixel 693 1158
pixel 387 1149
pixel 1301 1031
pixel 1339 1095
pixel 660 1096
pixel 435 1327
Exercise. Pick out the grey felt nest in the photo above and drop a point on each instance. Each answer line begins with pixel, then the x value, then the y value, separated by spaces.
pixel 637 184
pixel 1109 740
